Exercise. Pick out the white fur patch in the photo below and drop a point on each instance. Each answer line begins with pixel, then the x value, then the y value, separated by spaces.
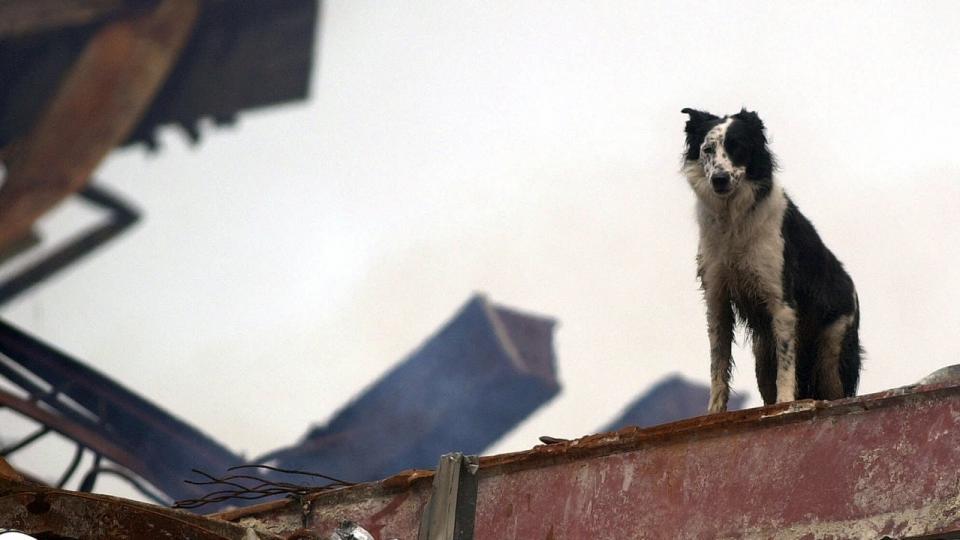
pixel 831 345
pixel 720 330
pixel 741 246
pixel 785 334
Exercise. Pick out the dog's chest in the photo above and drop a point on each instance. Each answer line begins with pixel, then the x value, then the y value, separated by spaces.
pixel 744 258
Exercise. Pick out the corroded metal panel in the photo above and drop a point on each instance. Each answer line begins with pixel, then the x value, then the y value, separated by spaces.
pixel 865 474
pixel 886 464
pixel 52 513
pixel 386 512
pixel 97 104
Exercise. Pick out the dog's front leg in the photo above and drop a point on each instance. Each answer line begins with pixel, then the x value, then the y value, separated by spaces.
pixel 785 332
pixel 720 329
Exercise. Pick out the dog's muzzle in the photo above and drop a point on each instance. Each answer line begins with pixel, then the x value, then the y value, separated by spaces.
pixel 721 183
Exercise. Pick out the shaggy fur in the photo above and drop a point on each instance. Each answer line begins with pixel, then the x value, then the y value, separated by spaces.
pixel 761 263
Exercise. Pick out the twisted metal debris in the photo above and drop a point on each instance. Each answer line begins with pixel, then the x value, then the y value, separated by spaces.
pixel 252 487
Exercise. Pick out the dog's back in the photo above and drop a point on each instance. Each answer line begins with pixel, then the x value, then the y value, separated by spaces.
pixel 828 312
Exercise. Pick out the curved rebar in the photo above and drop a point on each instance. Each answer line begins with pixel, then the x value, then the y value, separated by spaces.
pixel 137 484
pixel 65 477
pixel 26 441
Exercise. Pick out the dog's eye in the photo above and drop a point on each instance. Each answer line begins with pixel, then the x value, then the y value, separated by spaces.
pixel 709 150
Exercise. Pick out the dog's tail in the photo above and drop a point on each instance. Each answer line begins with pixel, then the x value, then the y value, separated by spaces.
pixel 851 353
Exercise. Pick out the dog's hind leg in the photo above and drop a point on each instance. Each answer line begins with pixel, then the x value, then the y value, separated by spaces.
pixel 720 329
pixel 829 382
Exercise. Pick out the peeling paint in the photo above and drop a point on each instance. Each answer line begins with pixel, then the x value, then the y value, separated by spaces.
pixel 627 477
pixel 905 523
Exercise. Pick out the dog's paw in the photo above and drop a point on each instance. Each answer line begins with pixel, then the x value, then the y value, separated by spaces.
pixel 717 404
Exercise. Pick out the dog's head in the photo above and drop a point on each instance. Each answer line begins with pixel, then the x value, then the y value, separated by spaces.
pixel 724 153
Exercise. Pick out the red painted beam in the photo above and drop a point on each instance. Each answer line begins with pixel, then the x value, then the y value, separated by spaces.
pixel 863 470
pixel 886 464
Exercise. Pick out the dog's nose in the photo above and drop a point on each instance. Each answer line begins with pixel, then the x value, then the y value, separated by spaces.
pixel 721 182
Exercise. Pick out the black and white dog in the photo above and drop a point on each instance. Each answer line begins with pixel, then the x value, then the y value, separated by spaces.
pixel 762 262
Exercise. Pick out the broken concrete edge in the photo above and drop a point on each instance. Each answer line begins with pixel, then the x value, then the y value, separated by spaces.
pixel 603 444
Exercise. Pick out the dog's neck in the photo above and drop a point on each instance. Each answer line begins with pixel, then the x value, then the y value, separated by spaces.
pixel 743 229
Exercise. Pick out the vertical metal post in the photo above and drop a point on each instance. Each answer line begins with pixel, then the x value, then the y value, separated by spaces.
pixel 453 503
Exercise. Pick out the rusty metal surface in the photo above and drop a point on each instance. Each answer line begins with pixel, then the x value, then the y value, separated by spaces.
pixel 79 433
pixel 97 105
pixel 883 465
pixel 55 513
pixel 7 472
pixel 240 56
pixel 886 464
pixel 387 512
pixel 31 16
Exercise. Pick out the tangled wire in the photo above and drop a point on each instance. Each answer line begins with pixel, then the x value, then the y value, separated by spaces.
pixel 252 487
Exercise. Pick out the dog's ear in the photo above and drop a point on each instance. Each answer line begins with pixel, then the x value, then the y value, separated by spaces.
pixel 750 119
pixel 696 129
pixel 749 128
pixel 697 119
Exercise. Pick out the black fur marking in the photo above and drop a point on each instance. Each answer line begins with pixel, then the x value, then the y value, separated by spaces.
pixel 822 292
pixel 821 287
pixel 746 144
pixel 699 124
pixel 766 363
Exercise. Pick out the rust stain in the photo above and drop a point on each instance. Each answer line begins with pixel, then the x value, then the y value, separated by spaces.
pixel 375 523
pixel 405 479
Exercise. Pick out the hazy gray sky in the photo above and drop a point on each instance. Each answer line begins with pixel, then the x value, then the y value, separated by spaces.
pixel 530 150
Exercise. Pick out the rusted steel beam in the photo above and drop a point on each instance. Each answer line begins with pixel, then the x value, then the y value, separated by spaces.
pixel 143 438
pixel 72 430
pixel 56 513
pixel 99 102
pixel 886 464
pixel 30 16
pixel 121 216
